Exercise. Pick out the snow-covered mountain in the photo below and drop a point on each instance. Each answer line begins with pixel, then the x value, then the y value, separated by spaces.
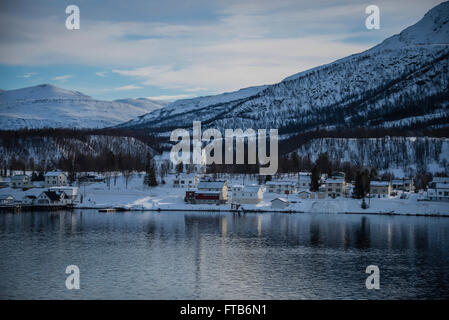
pixel 180 107
pixel 402 81
pixel 49 106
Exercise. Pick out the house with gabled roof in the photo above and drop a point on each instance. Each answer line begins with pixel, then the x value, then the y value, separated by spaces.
pixel 211 191
pixel 51 198
pixel 55 179
pixel 248 194
pixel 21 181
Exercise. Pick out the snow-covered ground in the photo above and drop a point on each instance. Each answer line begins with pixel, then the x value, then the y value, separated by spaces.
pixel 164 197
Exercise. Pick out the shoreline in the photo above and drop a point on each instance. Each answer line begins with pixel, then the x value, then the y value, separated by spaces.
pixel 109 209
pixel 444 215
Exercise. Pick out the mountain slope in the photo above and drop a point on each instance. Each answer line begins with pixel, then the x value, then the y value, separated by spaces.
pixel 403 80
pixel 49 106
pixel 145 103
pixel 180 107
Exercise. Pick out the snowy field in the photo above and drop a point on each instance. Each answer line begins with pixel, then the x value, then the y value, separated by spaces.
pixel 137 196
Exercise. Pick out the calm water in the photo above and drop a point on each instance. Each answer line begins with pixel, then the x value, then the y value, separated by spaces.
pixel 173 255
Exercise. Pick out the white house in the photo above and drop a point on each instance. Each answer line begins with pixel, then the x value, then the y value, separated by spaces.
pixel 53 198
pixel 306 194
pixel 55 178
pixel 335 187
pixel 250 194
pixel 70 193
pixel 186 180
pixel 281 187
pixel 21 181
pixel 279 203
pixel 438 189
pixel 304 180
pixel 380 189
pixel 404 185
pixel 6 199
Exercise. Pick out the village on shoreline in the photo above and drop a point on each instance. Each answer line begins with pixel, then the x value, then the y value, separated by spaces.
pixel 179 191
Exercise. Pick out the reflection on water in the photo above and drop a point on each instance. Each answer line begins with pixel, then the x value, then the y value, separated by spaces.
pixel 173 255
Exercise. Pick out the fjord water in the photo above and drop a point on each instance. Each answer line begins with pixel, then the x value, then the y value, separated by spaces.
pixel 185 255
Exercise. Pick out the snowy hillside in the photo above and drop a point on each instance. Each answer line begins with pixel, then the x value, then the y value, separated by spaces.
pixel 48 151
pixel 180 107
pixel 402 81
pixel 423 154
pixel 49 106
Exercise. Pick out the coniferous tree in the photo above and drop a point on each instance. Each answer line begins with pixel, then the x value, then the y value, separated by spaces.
pixel 315 183
pixel 358 187
pixel 366 181
pixel 179 167
pixel 150 177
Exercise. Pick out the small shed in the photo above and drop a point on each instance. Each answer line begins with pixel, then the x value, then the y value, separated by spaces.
pixel 306 195
pixel 279 203
pixel 6 199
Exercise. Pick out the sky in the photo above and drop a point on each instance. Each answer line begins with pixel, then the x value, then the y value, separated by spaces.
pixel 180 49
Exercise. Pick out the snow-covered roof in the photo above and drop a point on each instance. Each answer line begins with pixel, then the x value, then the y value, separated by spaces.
pixel 251 188
pixel 186 175
pixel 380 183
pixel 19 177
pixel 5 196
pixel 400 182
pixel 444 180
pixel 280 183
pixel 441 186
pixel 280 199
pixel 53 174
pixel 208 192
pixel 337 180
pixel 213 184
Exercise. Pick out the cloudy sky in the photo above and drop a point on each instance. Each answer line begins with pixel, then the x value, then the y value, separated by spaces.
pixel 170 49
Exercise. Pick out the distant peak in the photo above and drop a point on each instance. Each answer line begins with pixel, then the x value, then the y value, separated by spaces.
pixel 42 91
pixel 432 29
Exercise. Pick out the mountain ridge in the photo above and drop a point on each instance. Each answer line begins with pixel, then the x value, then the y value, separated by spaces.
pixel 49 106
pixel 368 88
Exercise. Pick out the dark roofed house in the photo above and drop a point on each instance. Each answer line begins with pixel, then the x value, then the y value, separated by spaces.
pixel 29 199
pixel 51 198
